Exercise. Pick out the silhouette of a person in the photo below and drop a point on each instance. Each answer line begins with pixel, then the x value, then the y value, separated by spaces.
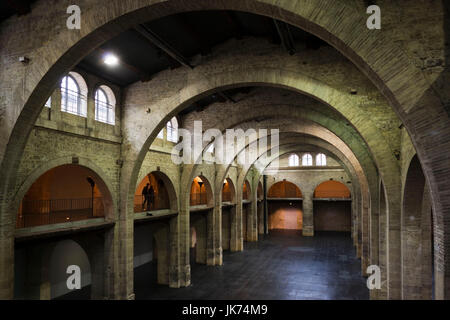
pixel 145 194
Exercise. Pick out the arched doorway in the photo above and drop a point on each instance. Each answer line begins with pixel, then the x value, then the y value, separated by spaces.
pixel 332 207
pixel 285 206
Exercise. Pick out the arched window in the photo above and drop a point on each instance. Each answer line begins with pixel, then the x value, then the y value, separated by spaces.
pixel 321 160
pixel 71 98
pixel 104 105
pixel 172 130
pixel 293 160
pixel 307 160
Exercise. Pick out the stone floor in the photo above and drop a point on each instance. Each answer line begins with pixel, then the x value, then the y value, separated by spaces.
pixel 283 266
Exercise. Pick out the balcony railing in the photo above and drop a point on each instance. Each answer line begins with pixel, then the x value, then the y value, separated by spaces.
pixel 42 212
pixel 157 202
pixel 104 112
pixel 198 199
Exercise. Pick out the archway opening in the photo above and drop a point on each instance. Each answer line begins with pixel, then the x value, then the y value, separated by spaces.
pixel 332 207
pixel 228 191
pixel 199 194
pixel 154 192
pixel 151 256
pixel 66 193
pixel 285 206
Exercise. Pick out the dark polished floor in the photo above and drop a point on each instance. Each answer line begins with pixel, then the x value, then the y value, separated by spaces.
pixel 283 266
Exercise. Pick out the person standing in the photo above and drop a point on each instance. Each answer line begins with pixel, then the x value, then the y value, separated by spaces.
pixel 151 198
pixel 145 195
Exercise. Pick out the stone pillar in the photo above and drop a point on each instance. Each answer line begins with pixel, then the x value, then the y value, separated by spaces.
pixel 162 248
pixel 365 238
pixel 382 247
pixel 260 209
pixel 210 235
pixel 37 277
pixel 427 247
pixel 178 275
pixel 226 227
pixel 125 246
pixel 55 110
pixel 308 217
pixel 236 239
pixel 90 119
pixel 6 264
pixel 252 220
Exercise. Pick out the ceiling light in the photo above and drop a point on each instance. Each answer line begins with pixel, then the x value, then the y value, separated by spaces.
pixel 110 60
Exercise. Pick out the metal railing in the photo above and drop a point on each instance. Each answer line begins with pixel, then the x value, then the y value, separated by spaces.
pixel 198 199
pixel 104 112
pixel 73 102
pixel 42 212
pixel 157 202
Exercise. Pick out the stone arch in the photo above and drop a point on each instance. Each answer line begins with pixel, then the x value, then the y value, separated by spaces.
pixel 416 234
pixel 203 184
pixel 332 189
pixel 286 188
pixel 167 187
pixel 228 188
pixel 102 181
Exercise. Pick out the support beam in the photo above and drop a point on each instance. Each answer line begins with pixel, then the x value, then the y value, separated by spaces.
pixel 161 44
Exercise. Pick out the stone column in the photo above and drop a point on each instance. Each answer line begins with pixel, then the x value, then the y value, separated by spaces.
pixel 178 275
pixel 181 271
pixel 308 218
pixel 55 110
pixel 210 235
pixel 6 264
pixel 260 209
pixel 252 220
pixel 37 277
pixel 236 241
pixel 163 255
pixel 90 120
pixel 382 247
